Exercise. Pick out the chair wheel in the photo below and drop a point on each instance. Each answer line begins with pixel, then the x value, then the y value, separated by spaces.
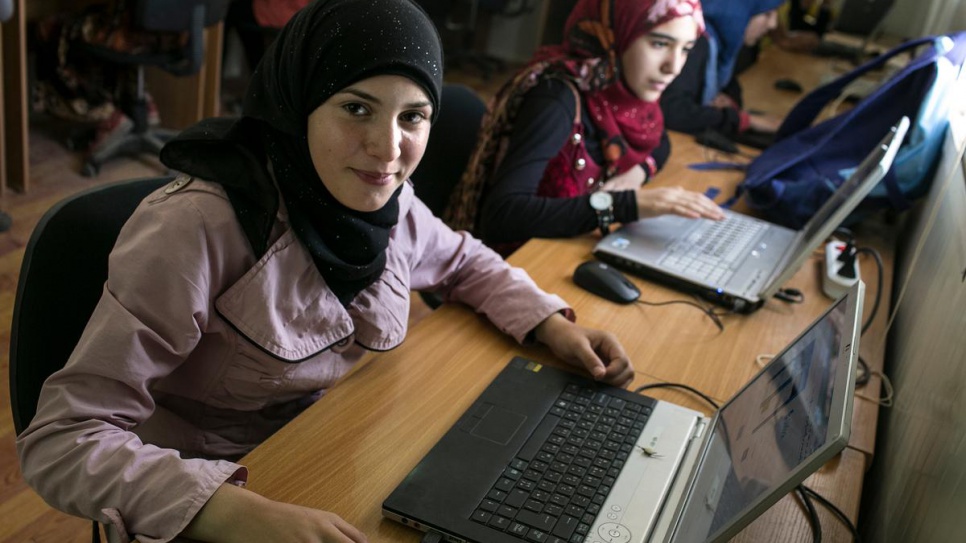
pixel 90 169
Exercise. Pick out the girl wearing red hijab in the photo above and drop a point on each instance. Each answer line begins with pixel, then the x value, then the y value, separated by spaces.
pixel 569 141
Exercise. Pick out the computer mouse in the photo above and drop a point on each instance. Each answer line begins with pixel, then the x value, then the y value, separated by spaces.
pixel 788 84
pixel 601 279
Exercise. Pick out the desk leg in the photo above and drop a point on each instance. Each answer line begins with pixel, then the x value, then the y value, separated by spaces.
pixel 16 158
pixel 214 46
pixel 185 100
pixel 3 127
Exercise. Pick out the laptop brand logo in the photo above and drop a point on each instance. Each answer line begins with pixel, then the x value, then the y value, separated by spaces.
pixel 620 243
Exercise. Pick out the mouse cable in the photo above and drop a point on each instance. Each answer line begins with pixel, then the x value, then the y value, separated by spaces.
pixel 813 521
pixel 431 537
pixel 835 511
pixel 707 311
pixel 689 388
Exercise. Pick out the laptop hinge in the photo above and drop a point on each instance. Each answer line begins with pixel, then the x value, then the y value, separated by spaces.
pixel 699 428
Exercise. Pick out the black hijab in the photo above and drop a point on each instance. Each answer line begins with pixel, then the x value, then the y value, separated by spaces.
pixel 325 47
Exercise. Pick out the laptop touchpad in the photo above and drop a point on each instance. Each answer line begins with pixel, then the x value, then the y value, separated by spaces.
pixel 496 424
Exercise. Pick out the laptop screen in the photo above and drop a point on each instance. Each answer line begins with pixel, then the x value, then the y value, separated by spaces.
pixel 769 430
pixel 838 206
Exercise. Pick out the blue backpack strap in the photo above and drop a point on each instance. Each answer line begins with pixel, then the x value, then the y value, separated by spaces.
pixel 769 164
pixel 804 113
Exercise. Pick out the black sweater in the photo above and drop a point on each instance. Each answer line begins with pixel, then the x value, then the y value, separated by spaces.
pixel 512 211
pixel 681 100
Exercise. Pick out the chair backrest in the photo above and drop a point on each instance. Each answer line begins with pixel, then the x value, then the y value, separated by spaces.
pixel 190 16
pixel 61 279
pixel 451 141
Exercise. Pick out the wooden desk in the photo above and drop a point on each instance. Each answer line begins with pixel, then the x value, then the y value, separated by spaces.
pixel 348 452
pixel 181 101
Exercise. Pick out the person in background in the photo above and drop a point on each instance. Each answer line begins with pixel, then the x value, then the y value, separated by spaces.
pixel 241 292
pixel 569 141
pixel 707 94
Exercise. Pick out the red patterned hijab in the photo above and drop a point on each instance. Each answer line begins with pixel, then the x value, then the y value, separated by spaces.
pixel 596 35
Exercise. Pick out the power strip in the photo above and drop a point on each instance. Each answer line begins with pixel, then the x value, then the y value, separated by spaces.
pixel 834 285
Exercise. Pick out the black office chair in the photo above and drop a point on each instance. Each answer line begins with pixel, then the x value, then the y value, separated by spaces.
pixel 461 18
pixel 451 142
pixel 190 16
pixel 63 272
pixel 61 278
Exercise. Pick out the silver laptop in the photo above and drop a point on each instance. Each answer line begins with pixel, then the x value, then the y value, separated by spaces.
pixel 544 455
pixel 740 261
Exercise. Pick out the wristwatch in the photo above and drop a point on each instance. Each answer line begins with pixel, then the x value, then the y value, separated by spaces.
pixel 603 203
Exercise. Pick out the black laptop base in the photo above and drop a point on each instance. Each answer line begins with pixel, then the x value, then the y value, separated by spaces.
pixel 496 463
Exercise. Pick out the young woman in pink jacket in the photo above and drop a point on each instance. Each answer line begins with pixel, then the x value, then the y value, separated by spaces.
pixel 244 290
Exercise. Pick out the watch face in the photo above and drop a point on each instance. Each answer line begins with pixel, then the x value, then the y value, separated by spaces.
pixel 601 200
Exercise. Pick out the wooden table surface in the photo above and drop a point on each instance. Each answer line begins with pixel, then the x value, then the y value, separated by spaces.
pixel 347 453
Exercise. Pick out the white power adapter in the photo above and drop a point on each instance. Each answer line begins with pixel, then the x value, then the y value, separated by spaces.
pixel 836 281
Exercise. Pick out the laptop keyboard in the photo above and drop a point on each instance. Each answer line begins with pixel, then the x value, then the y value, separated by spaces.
pixel 709 253
pixel 552 491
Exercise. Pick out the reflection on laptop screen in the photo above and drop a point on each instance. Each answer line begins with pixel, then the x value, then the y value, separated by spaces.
pixel 774 424
pixel 839 196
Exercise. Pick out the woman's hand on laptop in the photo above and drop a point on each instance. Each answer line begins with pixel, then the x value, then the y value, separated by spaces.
pixel 596 351
pixel 632 179
pixel 652 202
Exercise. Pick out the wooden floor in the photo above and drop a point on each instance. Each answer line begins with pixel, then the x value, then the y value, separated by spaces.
pixel 23 515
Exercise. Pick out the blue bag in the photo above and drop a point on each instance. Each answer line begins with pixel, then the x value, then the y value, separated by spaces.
pixel 791 179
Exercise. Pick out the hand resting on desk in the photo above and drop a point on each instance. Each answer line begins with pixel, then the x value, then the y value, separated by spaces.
pixel 597 351
pixel 235 514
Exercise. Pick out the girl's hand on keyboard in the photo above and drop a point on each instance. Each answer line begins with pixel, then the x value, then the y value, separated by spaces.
pixel 596 351
pixel 652 202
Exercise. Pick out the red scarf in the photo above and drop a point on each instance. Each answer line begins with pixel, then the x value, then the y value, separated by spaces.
pixel 596 34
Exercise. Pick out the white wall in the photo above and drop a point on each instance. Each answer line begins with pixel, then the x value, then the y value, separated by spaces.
pixel 915 491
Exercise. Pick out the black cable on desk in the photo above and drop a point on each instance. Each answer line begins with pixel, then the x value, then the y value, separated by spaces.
pixel 836 511
pixel 711 314
pixel 431 537
pixel 813 519
pixel 690 389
